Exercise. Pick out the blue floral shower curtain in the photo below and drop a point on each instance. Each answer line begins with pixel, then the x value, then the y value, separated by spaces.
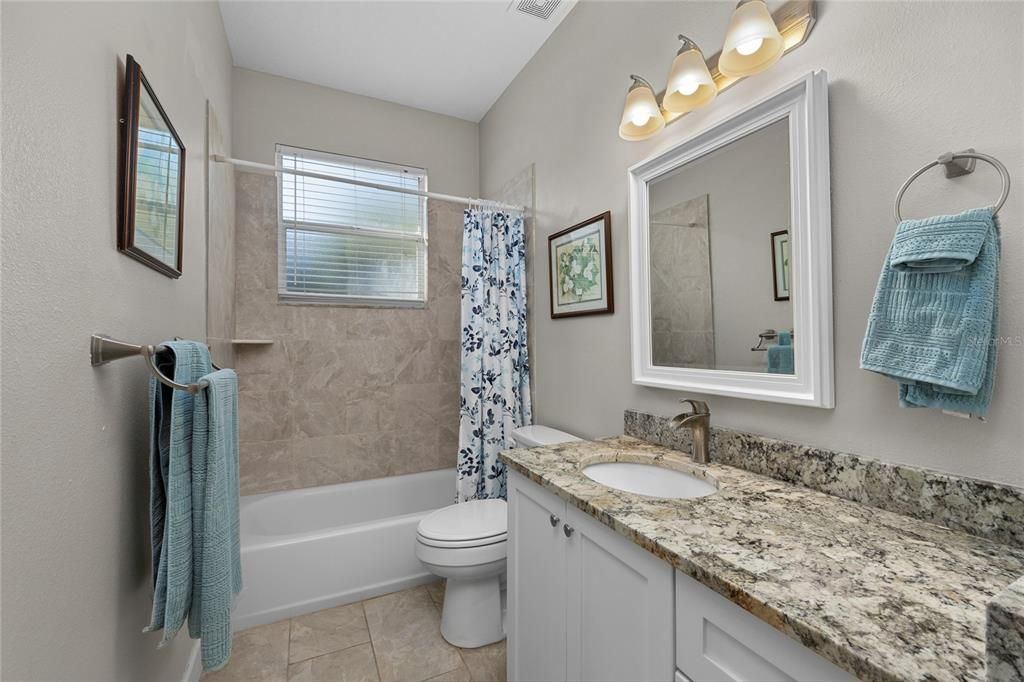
pixel 495 362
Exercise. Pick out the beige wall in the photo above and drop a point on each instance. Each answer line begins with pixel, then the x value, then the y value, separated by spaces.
pixel 76 579
pixel 344 393
pixel 900 94
pixel 270 109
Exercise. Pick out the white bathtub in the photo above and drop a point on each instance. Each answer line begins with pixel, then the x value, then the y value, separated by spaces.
pixel 310 549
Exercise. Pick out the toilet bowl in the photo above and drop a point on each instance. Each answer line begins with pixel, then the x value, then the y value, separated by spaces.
pixel 466 543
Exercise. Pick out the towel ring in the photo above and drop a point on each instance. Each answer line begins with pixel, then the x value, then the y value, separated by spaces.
pixel 948 159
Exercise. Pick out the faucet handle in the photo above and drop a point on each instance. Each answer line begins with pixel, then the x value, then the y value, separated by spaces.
pixel 699 406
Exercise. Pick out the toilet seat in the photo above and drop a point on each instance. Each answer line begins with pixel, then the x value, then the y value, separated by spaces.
pixel 468 524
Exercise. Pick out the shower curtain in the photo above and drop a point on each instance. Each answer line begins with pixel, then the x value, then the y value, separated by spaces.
pixel 495 363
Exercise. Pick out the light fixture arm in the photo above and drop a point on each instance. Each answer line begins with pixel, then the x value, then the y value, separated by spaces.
pixel 687 44
pixel 639 82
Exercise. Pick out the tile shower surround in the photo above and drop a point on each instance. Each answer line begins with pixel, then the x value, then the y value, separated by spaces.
pixel 343 393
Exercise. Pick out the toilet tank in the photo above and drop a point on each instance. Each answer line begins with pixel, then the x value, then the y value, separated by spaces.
pixel 537 435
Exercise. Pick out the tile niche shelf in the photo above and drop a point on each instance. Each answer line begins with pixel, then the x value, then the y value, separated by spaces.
pixel 251 342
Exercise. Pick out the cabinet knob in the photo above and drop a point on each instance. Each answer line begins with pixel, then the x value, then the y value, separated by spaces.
pixel 554 520
pixel 568 530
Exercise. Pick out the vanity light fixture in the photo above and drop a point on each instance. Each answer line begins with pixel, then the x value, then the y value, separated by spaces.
pixel 641 116
pixel 690 84
pixel 755 40
pixel 752 41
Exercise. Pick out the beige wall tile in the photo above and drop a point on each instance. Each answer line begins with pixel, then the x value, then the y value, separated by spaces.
pixel 343 393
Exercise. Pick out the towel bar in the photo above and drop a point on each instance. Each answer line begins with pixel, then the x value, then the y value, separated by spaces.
pixel 957 164
pixel 767 335
pixel 104 349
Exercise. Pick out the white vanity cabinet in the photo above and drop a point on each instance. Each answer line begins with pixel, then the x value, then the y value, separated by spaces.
pixel 584 603
pixel 717 640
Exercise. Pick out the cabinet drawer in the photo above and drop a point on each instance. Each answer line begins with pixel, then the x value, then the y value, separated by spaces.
pixel 717 640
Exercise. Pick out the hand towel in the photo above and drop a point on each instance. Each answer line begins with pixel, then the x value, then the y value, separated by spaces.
pixel 216 556
pixel 170 483
pixel 780 356
pixel 935 312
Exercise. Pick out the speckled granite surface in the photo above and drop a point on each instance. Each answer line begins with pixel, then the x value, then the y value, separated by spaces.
pixel 989 510
pixel 1006 635
pixel 884 596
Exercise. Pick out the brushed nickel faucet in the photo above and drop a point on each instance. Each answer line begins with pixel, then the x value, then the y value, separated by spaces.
pixel 699 423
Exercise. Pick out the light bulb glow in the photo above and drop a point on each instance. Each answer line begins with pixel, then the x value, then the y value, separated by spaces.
pixel 639 118
pixel 687 86
pixel 749 47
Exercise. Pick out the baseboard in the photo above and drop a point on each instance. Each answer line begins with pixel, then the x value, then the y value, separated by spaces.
pixel 195 664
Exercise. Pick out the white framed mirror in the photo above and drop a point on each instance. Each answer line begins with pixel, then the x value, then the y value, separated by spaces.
pixel 731 255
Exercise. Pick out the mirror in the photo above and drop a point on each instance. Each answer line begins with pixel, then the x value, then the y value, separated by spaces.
pixel 710 242
pixel 731 255
pixel 150 226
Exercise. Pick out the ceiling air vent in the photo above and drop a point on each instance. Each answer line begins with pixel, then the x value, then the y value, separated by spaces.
pixel 542 9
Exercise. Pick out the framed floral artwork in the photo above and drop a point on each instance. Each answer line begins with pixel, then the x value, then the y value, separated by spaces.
pixel 580 264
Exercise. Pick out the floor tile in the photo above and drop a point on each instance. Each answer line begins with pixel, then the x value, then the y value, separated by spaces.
pixel 436 591
pixel 460 674
pixel 258 654
pixel 327 631
pixel 486 663
pixel 355 664
pixel 405 628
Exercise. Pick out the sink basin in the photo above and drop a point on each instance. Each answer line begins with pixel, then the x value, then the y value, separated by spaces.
pixel 649 479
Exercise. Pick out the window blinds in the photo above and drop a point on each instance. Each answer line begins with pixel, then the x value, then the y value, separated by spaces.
pixel 344 243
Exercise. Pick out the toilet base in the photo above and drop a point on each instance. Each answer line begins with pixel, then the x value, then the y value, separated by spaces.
pixel 471 615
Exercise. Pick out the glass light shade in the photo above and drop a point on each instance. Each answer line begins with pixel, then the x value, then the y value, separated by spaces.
pixel 752 42
pixel 641 116
pixel 690 84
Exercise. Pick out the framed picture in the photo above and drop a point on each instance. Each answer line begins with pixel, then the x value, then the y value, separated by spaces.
pixel 152 183
pixel 780 264
pixel 580 265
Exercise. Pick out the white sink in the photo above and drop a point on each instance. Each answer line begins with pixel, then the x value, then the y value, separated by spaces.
pixel 649 479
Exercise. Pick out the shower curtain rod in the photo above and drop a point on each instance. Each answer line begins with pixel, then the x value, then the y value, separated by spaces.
pixel 220 158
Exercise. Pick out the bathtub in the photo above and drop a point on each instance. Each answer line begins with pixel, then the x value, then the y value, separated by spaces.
pixel 310 549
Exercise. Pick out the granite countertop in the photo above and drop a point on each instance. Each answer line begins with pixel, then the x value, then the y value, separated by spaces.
pixel 884 596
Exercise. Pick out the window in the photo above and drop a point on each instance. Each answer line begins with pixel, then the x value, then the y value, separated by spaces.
pixel 349 244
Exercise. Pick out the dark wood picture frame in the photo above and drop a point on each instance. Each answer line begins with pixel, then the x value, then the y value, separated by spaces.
pixel 134 82
pixel 775 272
pixel 609 306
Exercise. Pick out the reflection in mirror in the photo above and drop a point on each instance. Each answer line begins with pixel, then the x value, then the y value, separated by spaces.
pixel 156 189
pixel 719 258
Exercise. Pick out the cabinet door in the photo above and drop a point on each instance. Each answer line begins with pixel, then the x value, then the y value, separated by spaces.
pixel 717 640
pixel 536 583
pixel 620 607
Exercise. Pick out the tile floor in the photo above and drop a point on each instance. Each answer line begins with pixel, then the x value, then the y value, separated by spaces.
pixel 392 638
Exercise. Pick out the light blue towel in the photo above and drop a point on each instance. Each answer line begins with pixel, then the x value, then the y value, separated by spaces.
pixel 194 501
pixel 935 313
pixel 780 356
pixel 216 568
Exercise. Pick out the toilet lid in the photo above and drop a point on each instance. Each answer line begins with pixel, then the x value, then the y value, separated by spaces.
pixel 473 520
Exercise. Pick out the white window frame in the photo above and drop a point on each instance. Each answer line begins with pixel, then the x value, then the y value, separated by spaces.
pixel 310 298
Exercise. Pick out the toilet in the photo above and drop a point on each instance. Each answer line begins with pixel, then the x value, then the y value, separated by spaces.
pixel 466 543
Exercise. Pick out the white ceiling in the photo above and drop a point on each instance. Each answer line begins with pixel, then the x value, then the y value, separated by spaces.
pixel 453 57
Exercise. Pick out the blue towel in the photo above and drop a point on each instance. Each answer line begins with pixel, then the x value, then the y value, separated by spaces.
pixel 194 501
pixel 780 356
pixel 216 567
pixel 935 312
